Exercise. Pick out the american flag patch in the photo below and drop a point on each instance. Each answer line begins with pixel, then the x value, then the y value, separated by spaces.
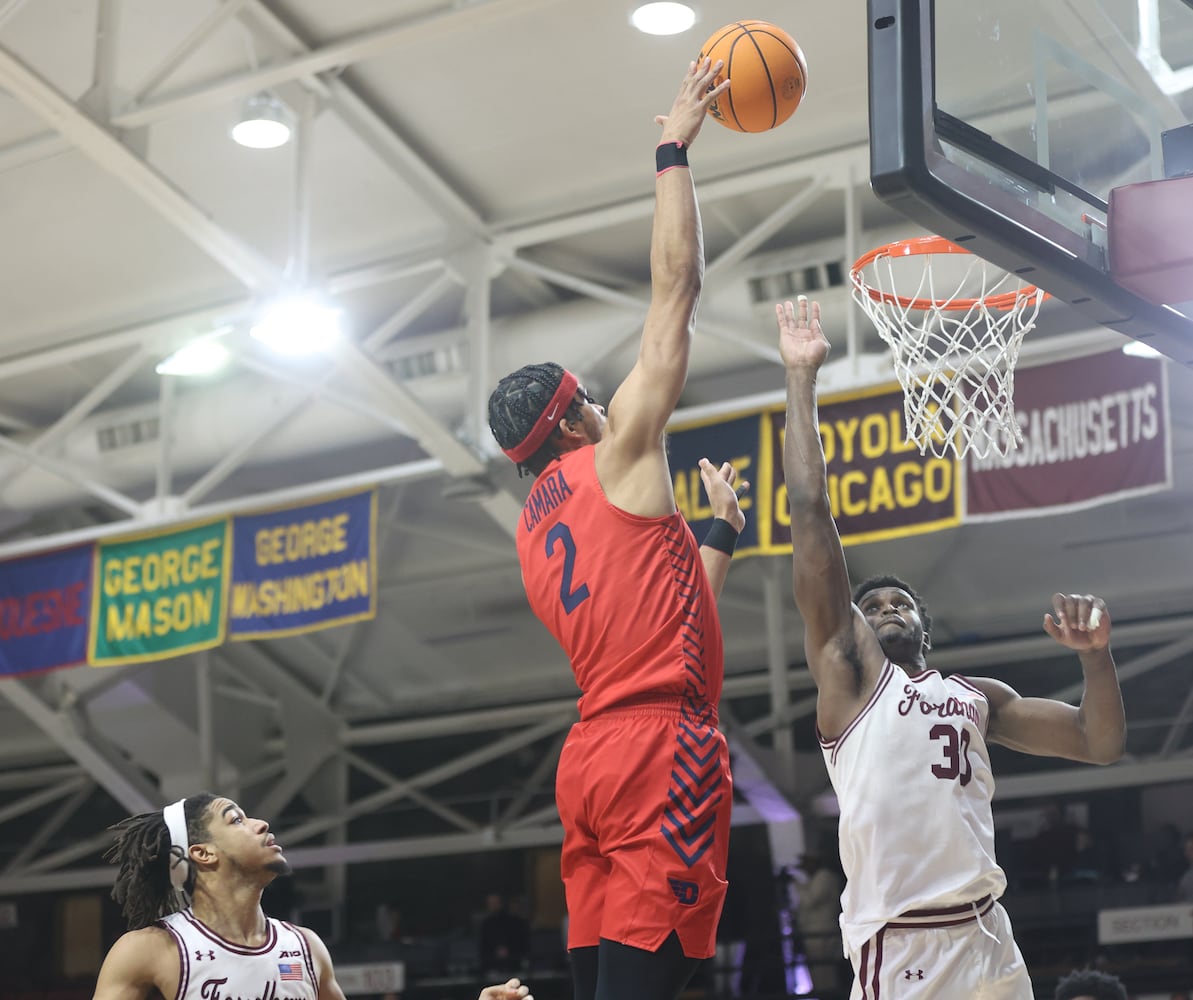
pixel 289 970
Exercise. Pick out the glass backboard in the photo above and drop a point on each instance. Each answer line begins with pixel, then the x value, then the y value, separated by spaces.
pixel 1004 125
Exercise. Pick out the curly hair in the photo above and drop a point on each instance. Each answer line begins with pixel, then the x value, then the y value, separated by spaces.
pixel 1088 983
pixel 883 580
pixel 142 850
pixel 515 406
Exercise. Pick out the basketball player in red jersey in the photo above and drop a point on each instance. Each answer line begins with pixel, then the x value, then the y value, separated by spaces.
pixel 221 946
pixel 611 568
pixel 906 749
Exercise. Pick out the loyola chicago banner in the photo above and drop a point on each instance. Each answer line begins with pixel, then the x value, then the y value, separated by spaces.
pixel 159 595
pixel 44 605
pixel 879 485
pixel 304 568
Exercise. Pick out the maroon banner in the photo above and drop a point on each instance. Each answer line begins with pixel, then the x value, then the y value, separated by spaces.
pixel 1094 430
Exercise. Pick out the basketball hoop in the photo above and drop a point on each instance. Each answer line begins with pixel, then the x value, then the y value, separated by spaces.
pixel 955 340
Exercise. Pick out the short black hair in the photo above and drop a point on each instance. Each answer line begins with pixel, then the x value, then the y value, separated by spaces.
pixel 881 581
pixel 516 405
pixel 1088 983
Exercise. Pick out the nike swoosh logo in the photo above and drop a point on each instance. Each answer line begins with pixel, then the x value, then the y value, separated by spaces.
pixel 551 415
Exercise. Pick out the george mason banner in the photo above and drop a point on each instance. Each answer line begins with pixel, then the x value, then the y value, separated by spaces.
pixel 304 568
pixel 159 595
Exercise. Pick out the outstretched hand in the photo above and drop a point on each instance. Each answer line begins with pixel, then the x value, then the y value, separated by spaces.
pixel 802 343
pixel 722 497
pixel 1080 622
pixel 691 105
pixel 513 990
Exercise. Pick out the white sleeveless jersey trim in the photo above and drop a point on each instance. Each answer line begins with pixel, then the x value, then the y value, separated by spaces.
pixel 913 779
pixel 214 968
pixel 884 678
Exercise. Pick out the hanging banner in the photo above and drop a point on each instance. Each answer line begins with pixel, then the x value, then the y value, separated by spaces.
pixel 304 568
pixel 1095 429
pixel 44 604
pixel 159 595
pixel 725 439
pixel 879 485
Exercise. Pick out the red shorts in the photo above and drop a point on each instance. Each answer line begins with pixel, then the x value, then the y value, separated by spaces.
pixel 644 795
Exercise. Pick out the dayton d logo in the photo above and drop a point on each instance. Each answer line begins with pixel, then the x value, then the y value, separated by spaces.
pixel 686 892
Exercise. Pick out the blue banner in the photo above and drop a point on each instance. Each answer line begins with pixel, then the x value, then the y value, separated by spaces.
pixel 45 603
pixel 304 568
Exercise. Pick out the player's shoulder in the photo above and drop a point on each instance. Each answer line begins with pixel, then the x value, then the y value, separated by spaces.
pixel 995 691
pixel 139 954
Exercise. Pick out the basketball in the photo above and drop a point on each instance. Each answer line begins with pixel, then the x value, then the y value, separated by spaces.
pixel 768 72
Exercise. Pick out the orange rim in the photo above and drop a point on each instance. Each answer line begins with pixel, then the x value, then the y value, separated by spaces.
pixel 924 246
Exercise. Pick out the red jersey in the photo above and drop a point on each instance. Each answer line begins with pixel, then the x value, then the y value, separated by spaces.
pixel 627 597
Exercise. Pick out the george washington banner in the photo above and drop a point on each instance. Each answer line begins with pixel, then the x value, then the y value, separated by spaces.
pixel 304 568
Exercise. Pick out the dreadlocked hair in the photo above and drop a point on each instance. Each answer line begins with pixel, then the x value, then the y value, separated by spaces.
pixel 142 850
pixel 515 406
pixel 887 580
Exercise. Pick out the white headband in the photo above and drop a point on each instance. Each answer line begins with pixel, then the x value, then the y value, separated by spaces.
pixel 175 816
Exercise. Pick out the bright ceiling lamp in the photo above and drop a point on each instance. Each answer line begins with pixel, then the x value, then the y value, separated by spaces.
pixel 200 357
pixel 298 326
pixel 663 18
pixel 263 125
pixel 1138 349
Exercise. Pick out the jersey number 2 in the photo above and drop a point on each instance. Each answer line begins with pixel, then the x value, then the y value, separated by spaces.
pixel 571 599
pixel 956 756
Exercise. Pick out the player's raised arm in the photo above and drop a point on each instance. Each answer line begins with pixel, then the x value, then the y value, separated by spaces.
pixel 1094 732
pixel 641 407
pixel 840 646
pixel 716 551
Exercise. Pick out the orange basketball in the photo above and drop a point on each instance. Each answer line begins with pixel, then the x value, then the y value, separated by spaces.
pixel 768 75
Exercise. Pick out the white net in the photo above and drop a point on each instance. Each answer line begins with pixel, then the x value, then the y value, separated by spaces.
pixel 954 324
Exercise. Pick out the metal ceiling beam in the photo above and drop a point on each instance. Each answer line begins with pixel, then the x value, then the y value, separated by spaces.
pixel 193 41
pixel 382 776
pixel 110 154
pixel 127 786
pixel 113 498
pixel 38 839
pixel 457 765
pixel 335 56
pixel 420 469
pixel 379 135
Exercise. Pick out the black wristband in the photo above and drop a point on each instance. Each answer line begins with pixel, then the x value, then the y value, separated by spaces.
pixel 721 537
pixel 668 155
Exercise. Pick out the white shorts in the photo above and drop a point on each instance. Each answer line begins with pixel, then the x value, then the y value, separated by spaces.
pixel 966 951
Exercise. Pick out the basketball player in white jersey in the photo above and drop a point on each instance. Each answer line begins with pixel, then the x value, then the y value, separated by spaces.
pixel 906 749
pixel 222 946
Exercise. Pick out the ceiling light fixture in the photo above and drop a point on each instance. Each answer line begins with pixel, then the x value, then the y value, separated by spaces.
pixel 263 125
pixel 1138 349
pixel 663 18
pixel 298 326
pixel 204 356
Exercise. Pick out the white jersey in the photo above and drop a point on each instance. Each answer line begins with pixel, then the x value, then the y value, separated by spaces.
pixel 912 776
pixel 213 968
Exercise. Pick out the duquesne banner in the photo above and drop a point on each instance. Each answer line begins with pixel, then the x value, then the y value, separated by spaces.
pixel 304 568
pixel 45 601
